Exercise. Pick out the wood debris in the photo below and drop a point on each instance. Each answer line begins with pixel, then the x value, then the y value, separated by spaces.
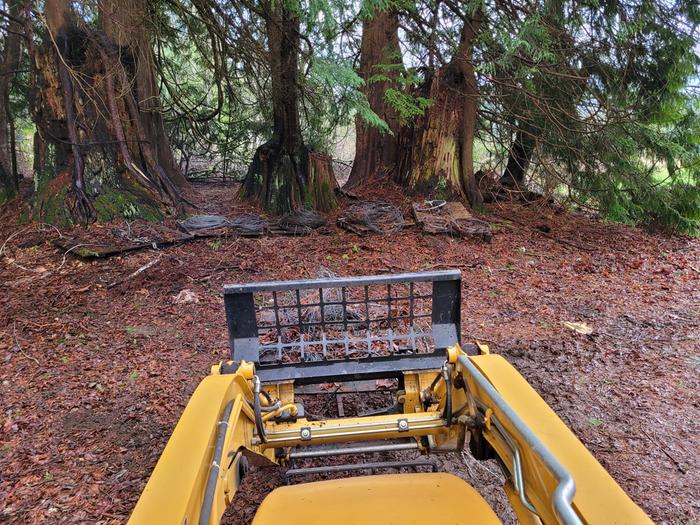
pixel 452 218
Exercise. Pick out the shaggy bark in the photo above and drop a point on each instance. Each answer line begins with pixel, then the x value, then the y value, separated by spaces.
pixel 284 176
pixel 9 63
pixel 125 22
pixel 81 208
pixel 377 152
pixel 95 151
pixel 438 153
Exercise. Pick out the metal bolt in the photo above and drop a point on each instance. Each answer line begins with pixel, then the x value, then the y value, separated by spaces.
pixel 305 433
pixel 403 425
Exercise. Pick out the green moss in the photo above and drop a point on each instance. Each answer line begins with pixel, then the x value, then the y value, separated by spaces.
pixel 150 213
pixel 51 207
pixel 24 215
pixel 328 196
pixel 479 207
pixel 308 198
pixel 117 204
pixel 86 252
pixel 441 192
pixel 325 188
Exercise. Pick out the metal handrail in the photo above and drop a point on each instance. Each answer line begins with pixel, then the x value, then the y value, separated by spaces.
pixel 563 495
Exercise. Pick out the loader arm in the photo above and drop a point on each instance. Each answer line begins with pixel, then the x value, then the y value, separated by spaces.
pixel 200 469
pixel 552 477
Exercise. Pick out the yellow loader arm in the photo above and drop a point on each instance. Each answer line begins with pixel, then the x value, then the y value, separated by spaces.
pixel 202 465
pixel 553 477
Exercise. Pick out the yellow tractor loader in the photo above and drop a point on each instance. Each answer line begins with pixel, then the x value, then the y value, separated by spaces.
pixel 398 331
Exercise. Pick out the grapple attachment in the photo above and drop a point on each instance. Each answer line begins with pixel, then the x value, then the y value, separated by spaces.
pixel 345 328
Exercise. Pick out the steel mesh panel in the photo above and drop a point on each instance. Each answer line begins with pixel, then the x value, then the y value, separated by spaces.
pixel 347 322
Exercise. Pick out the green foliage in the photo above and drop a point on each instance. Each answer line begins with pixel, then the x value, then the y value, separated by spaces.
pixel 369 117
pixel 408 106
pixel 327 84
pixel 603 93
pixel 4 194
pixel 400 91
pixel 369 8
pixel 604 90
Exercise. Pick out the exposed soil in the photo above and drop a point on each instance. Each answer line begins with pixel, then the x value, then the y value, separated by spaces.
pixel 93 379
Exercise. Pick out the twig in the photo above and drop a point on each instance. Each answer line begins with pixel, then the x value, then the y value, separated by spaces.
pixel 70 250
pixel 4 244
pixel 19 347
pixel 24 230
pixel 678 465
pixel 459 265
pixel 2 248
pixel 137 272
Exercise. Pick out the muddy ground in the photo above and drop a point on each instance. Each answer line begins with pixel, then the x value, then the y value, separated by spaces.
pixel 93 378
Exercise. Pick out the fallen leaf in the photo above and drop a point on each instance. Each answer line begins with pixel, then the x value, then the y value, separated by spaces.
pixel 385 383
pixel 185 296
pixel 580 328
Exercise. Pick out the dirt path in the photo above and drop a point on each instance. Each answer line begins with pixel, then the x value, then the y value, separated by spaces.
pixel 93 379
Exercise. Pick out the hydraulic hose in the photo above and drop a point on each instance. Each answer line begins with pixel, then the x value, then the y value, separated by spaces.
pixel 448 394
pixel 260 427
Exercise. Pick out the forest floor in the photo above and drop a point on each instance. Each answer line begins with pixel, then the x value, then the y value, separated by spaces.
pixel 93 378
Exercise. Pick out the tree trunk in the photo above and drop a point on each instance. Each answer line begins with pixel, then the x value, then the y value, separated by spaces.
pixel 531 121
pixel 376 152
pixel 98 159
pixel 283 175
pixel 125 22
pixel 9 62
pixel 518 160
pixel 438 153
pixel 464 61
